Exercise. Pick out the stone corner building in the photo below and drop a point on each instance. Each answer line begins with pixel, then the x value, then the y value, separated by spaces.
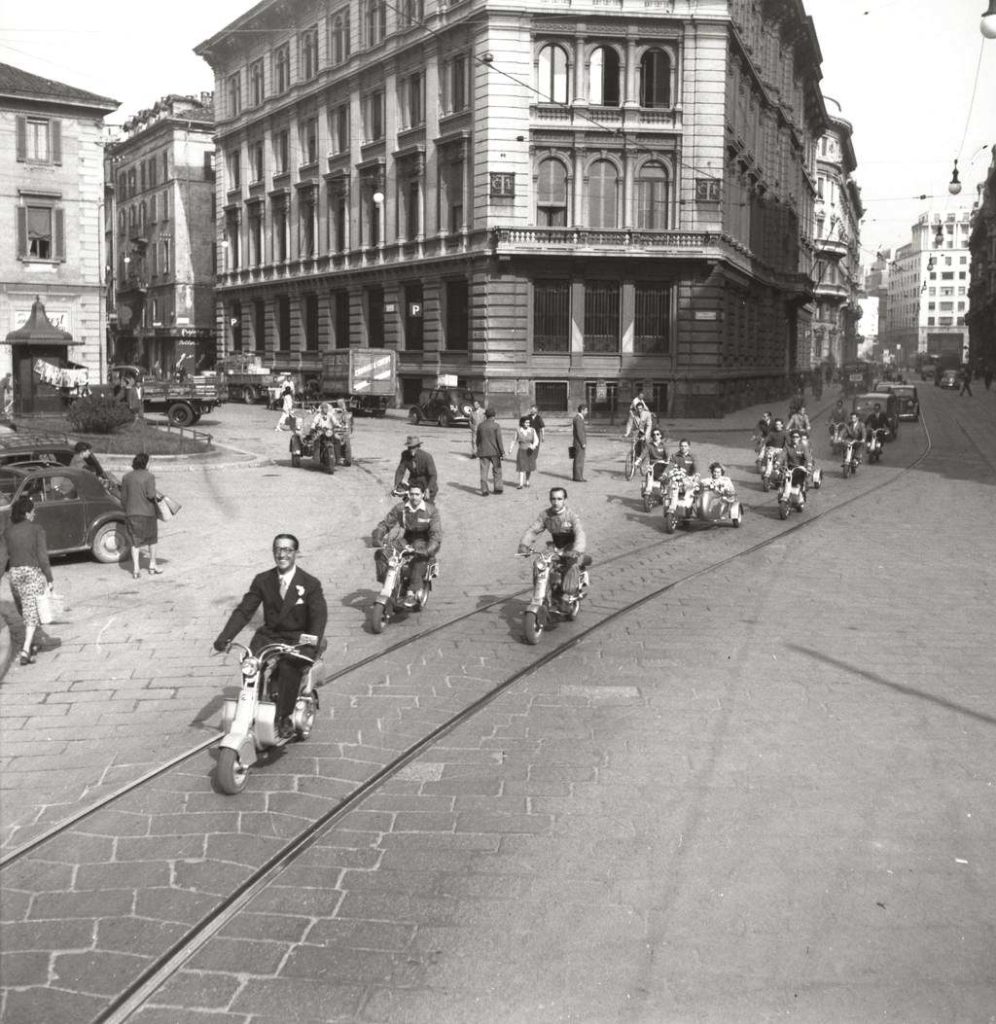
pixel 51 172
pixel 552 203
pixel 981 316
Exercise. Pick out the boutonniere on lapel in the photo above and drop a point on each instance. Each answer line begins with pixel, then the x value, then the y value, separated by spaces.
pixel 300 594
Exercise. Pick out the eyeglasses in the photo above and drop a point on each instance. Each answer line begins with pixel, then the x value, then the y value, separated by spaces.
pixel 284 550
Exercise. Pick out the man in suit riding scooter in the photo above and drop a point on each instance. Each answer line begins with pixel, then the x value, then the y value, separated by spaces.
pixel 293 605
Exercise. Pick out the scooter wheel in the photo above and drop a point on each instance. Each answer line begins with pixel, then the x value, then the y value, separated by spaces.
pixel 648 503
pixel 231 776
pixel 670 522
pixel 573 611
pixel 783 510
pixel 296 461
pixel 532 628
pixel 377 617
pixel 765 483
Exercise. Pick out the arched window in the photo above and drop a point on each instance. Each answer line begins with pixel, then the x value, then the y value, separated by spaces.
pixel 655 79
pixel 552 75
pixel 653 197
pixel 551 194
pixel 603 195
pixel 603 77
pixel 340 36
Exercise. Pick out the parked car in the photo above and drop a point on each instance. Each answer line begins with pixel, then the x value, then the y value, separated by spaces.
pixel 950 379
pixel 864 406
pixel 72 506
pixel 446 406
pixel 16 449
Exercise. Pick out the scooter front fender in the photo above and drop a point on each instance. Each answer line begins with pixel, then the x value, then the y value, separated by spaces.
pixel 244 745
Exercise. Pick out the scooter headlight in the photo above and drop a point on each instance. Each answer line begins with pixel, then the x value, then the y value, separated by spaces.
pixel 250 666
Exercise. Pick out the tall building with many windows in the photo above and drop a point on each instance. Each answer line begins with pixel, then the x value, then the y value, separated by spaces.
pixel 547 202
pixel 160 213
pixel 51 175
pixel 928 287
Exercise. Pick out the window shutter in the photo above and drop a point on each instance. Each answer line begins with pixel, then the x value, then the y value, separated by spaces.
pixel 58 229
pixel 22 138
pixel 55 141
pixel 22 230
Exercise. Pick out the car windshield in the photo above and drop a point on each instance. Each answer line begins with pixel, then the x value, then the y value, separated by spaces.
pixel 865 405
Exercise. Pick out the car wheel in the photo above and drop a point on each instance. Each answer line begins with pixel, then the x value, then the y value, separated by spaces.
pixel 414 417
pixel 443 419
pixel 110 543
pixel 248 395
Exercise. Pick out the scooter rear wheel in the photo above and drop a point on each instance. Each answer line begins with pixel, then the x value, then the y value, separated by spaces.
pixel 783 510
pixel 532 628
pixel 377 617
pixel 648 502
pixel 230 774
pixel 670 522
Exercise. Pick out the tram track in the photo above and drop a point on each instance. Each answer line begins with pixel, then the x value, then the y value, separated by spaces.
pixel 156 973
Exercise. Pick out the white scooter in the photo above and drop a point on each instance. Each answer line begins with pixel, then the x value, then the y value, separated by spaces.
pixel 249 721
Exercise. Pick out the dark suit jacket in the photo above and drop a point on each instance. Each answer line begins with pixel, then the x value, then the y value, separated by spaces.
pixel 580 431
pixel 303 609
pixel 489 443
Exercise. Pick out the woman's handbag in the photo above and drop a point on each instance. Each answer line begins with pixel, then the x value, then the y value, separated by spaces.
pixel 572 452
pixel 51 606
pixel 166 508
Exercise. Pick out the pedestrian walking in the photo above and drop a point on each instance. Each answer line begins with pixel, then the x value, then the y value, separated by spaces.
pixel 526 445
pixel 30 573
pixel 537 423
pixel 966 382
pixel 286 408
pixel 579 443
pixel 138 495
pixel 490 452
pixel 416 466
pixel 474 420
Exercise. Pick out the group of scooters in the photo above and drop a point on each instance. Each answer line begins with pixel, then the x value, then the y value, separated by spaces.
pixel 791 485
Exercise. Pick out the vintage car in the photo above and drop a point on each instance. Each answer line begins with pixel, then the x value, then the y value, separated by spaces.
pixel 909 400
pixel 71 505
pixel 16 449
pixel 949 379
pixel 864 406
pixel 446 406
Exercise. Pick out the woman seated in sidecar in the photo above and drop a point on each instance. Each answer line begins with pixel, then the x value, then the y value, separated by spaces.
pixel 716 494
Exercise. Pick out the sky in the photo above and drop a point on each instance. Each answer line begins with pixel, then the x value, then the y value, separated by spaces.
pixel 915 78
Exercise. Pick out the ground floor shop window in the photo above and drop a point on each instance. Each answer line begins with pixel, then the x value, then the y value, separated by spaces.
pixel 602 398
pixel 651 329
pixel 551 396
pixel 601 316
pixel 551 316
pixel 457 316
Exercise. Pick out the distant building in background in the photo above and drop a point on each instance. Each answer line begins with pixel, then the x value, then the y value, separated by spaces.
pixel 51 235
pixel 160 216
pixel 876 306
pixel 836 239
pixel 982 281
pixel 559 204
pixel 928 287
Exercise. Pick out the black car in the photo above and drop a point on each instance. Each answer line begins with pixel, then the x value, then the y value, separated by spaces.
pixel 446 406
pixel 71 505
pixel 909 400
pixel 864 406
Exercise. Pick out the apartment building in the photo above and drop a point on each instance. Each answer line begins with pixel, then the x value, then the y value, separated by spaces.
pixel 51 173
pixel 160 214
pixel 836 238
pixel 549 203
pixel 981 317
pixel 928 286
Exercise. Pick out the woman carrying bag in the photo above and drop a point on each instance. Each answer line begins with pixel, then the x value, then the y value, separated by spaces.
pixel 527 441
pixel 30 573
pixel 138 495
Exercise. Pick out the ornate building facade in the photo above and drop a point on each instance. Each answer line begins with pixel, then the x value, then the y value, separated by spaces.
pixel 836 238
pixel 51 170
pixel 160 213
pixel 551 204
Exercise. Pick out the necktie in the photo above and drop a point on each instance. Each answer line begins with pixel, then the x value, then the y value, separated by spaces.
pixel 283 587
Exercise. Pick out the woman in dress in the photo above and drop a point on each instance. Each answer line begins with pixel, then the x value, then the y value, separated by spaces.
pixel 138 494
pixel 30 572
pixel 525 456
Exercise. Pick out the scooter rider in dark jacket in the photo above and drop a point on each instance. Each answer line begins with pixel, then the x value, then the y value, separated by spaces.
pixel 798 455
pixel 877 419
pixel 418 521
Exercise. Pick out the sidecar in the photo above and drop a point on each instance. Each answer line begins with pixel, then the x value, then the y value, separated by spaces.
pixel 708 506
pixel 319 446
